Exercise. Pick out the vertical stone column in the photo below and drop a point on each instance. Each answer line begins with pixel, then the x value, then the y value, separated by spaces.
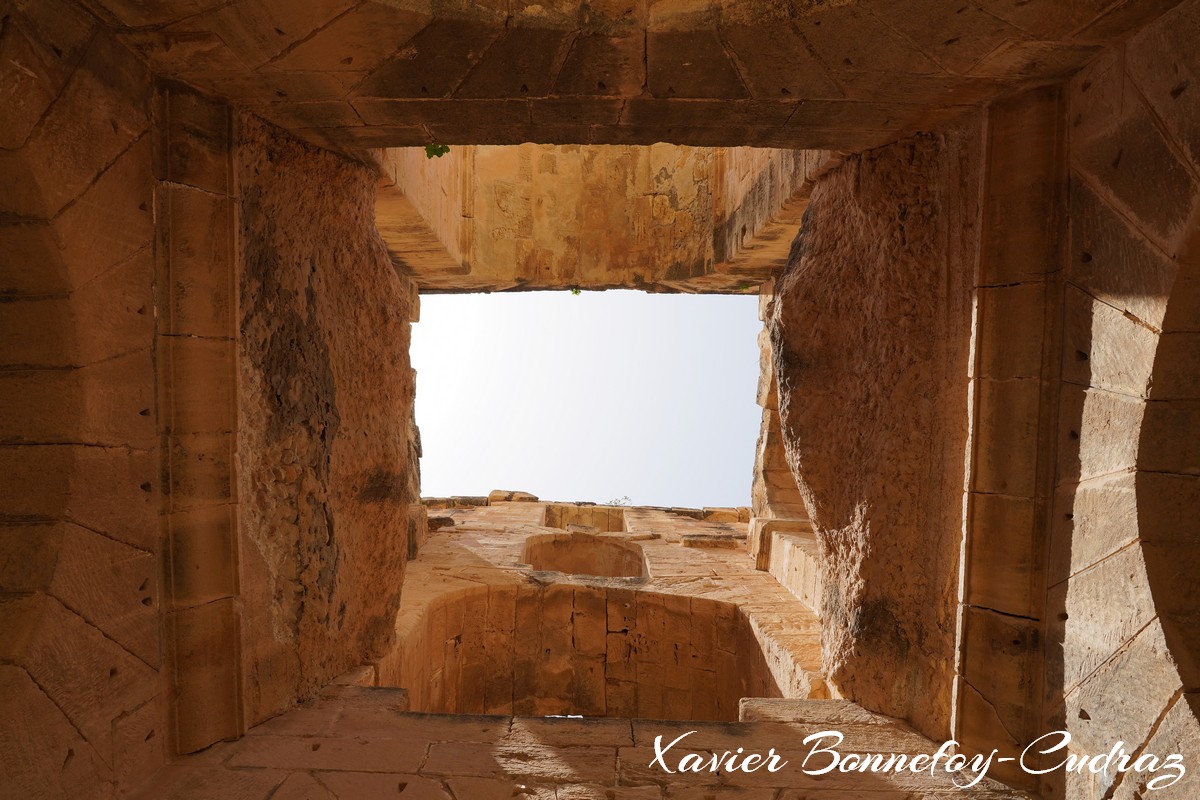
pixel 1014 382
pixel 196 354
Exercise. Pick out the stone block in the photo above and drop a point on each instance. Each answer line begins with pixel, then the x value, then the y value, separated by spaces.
pixel 197 378
pixel 1011 331
pixel 1123 700
pixel 98 115
pixel 1096 96
pixel 331 114
pixel 112 220
pixel 359 40
pixel 1024 59
pixel 1161 61
pixel 89 677
pixel 1095 614
pixel 589 620
pixel 1005 544
pixel 776 63
pixel 193 143
pixel 202 555
pixel 205 677
pixel 106 489
pixel 675 71
pixel 558 111
pixel 199 471
pixel 1105 349
pixel 112 586
pixel 140 742
pixel 1134 165
pixel 1091 521
pixel 1115 263
pixel 1007 439
pixel 956 38
pixel 999 679
pixel 108 403
pixel 35 68
pixel 600 65
pixel 1098 433
pixel 44 753
pixel 846 36
pixel 450 48
pixel 1025 176
pixel 195 262
pixel 520 63
pixel 302 786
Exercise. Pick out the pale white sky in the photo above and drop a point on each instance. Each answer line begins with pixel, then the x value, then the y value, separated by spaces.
pixel 589 397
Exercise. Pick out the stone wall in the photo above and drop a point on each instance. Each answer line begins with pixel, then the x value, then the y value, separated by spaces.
pixel 870 327
pixel 81 662
pixel 591 651
pixel 1122 569
pixel 532 216
pixel 326 445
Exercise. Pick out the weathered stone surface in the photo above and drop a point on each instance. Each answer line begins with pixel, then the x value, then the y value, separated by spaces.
pixel 322 442
pixel 540 216
pixel 869 335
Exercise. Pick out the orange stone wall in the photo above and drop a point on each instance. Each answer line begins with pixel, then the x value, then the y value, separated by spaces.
pixel 81 656
pixel 559 650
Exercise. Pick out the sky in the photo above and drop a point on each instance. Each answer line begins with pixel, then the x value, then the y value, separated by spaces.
pixel 589 397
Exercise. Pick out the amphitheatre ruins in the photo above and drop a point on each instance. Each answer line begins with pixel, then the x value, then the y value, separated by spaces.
pixel 973 229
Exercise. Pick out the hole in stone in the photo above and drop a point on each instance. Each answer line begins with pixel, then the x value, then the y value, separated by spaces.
pixel 112 673
pixel 1074 435
pixel 1085 257
pixel 1084 715
pixel 316 746
pixel 1179 89
pixel 146 487
pixel 1081 356
pixel 400 787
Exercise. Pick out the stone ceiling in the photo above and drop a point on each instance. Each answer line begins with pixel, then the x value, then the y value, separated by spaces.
pixel 803 74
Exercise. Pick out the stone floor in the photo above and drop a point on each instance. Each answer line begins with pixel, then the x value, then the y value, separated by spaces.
pixel 355 743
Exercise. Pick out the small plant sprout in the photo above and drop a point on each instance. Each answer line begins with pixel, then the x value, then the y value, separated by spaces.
pixel 436 150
